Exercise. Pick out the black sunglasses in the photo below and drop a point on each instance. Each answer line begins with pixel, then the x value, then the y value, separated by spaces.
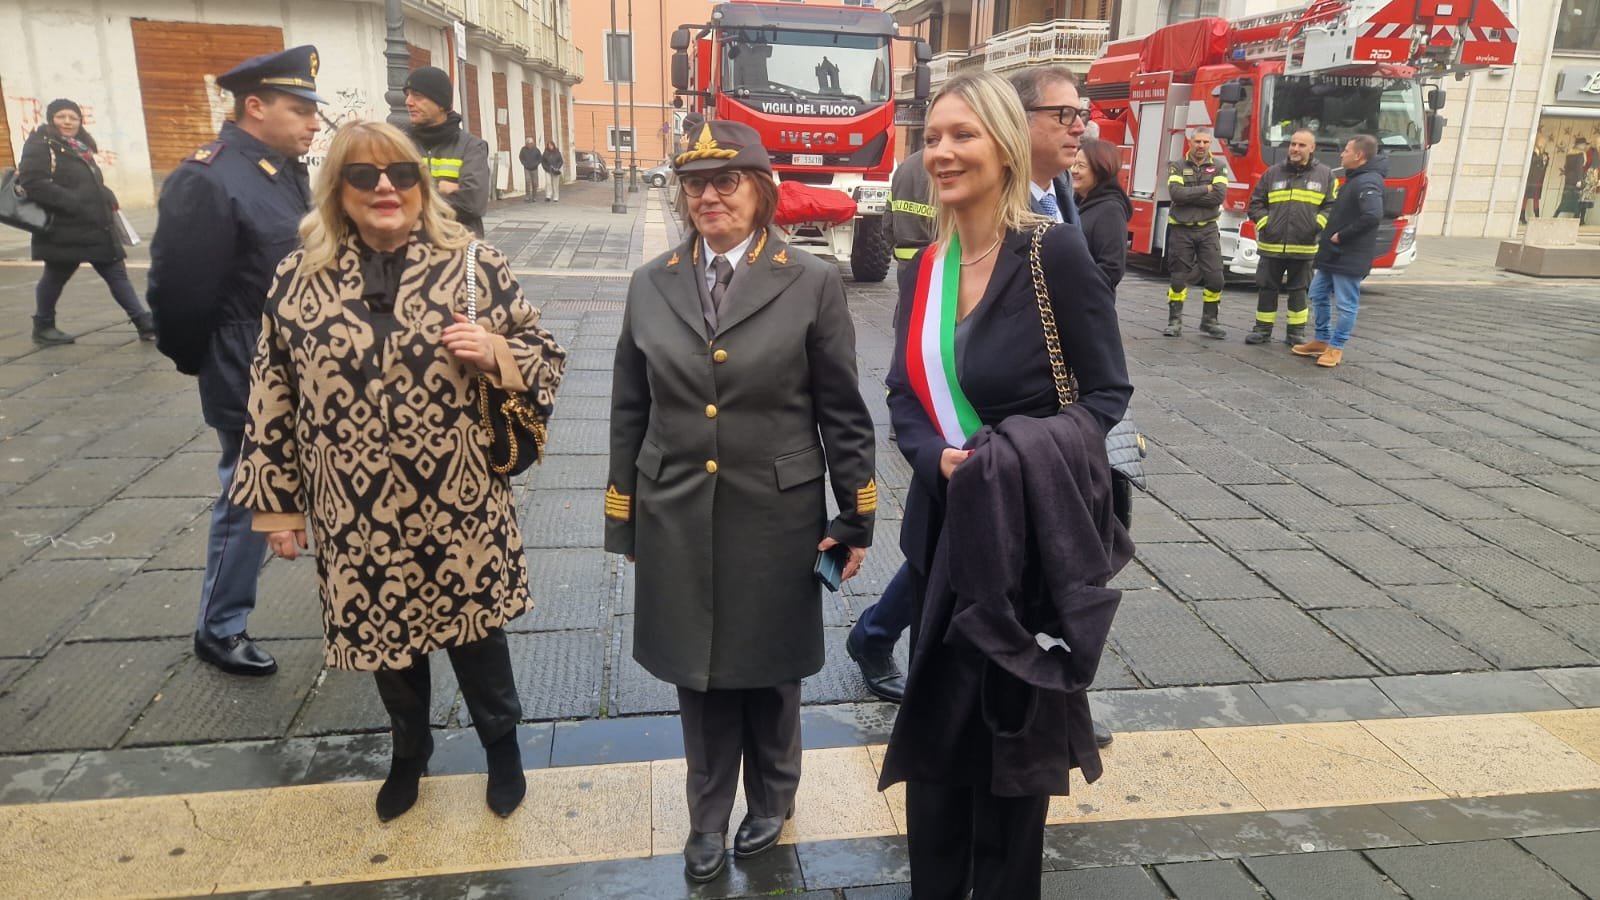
pixel 403 176
pixel 1064 114
pixel 724 182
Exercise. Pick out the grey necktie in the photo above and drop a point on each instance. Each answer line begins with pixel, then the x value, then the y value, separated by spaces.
pixel 724 274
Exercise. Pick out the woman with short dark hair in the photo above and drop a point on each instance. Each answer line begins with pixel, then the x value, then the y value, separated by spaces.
pixel 58 172
pixel 733 392
pixel 1103 206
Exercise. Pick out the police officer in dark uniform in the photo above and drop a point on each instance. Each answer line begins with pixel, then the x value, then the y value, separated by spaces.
pixel 228 214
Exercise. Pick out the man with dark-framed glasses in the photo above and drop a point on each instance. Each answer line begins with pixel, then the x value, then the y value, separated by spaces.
pixel 1057 117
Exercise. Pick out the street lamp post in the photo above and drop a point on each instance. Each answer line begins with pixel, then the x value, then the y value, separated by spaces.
pixel 397 61
pixel 633 133
pixel 618 205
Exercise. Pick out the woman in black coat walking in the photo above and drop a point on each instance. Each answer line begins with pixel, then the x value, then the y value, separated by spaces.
pixel 1103 206
pixel 59 173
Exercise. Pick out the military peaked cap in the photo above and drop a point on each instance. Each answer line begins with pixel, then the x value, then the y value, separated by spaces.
pixel 293 71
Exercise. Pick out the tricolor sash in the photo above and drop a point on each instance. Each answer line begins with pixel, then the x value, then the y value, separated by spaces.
pixel 931 345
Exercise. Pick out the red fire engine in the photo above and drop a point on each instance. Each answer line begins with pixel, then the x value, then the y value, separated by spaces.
pixel 817 83
pixel 1336 67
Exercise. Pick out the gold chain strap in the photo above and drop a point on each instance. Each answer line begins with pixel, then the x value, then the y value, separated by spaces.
pixel 514 408
pixel 1066 384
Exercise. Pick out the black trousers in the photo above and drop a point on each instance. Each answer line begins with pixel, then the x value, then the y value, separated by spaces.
pixel 759 727
pixel 1275 273
pixel 483 669
pixel 1194 256
pixel 961 837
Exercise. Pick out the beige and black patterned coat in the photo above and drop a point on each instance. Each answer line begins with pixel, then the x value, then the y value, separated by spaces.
pixel 380 446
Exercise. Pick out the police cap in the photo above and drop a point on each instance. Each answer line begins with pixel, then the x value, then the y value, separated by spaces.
pixel 722 144
pixel 292 71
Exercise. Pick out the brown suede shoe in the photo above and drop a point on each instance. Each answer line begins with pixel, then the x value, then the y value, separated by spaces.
pixel 1330 357
pixel 1309 348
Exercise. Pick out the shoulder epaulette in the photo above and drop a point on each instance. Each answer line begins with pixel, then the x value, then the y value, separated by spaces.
pixel 206 154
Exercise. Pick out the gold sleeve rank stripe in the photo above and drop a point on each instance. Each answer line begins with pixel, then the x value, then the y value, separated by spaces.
pixel 867 499
pixel 619 506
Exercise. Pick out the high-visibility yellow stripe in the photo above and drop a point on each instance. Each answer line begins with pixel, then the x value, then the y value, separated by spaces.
pixel 1211 296
pixel 440 167
pixel 1175 179
pixel 1172 221
pixel 915 209
pixel 905 252
pixel 1219 179
pixel 1322 221
pixel 1266 318
pixel 1296 196
pixel 1289 249
pixel 1177 296
pixel 1298 316
pixel 1263 223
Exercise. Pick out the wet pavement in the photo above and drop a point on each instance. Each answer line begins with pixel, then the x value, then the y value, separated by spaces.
pixel 1413 534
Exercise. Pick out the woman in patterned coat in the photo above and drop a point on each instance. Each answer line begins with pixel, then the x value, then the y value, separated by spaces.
pixel 364 419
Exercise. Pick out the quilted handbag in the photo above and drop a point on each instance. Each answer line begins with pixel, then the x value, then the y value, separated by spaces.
pixel 517 431
pixel 17 210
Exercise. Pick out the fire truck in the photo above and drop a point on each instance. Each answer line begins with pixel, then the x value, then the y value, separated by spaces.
pixel 818 84
pixel 1337 68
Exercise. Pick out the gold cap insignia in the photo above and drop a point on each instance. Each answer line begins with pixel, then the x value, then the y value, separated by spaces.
pixel 619 506
pixel 781 257
pixel 314 63
pixel 867 499
pixel 705 147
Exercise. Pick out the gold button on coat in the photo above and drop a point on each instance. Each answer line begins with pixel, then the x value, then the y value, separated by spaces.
pixel 711 410
pixel 720 356
pixel 711 466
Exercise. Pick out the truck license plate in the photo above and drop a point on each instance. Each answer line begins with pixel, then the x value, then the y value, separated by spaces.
pixel 807 159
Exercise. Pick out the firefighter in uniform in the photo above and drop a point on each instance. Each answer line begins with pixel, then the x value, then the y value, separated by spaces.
pixel 457 159
pixel 228 214
pixel 910 213
pixel 1197 183
pixel 1289 207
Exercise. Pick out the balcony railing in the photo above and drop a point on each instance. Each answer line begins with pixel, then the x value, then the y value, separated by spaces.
pixel 1060 41
pixel 943 65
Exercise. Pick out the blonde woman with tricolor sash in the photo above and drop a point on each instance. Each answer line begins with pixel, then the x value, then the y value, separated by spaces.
pixel 972 378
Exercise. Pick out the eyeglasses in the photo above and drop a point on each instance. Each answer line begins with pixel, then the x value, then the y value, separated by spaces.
pixel 725 183
pixel 403 176
pixel 1064 114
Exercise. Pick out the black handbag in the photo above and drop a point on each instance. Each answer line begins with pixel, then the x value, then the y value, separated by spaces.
pixel 17 210
pixel 1125 449
pixel 517 431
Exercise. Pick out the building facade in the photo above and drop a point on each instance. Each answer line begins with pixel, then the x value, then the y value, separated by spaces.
pixel 1521 140
pixel 145 72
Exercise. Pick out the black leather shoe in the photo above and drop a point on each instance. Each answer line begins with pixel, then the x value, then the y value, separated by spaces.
pixel 1102 734
pixel 758 834
pixel 703 856
pixel 881 673
pixel 235 654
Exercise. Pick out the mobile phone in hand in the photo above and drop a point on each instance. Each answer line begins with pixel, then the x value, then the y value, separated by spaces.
pixel 830 566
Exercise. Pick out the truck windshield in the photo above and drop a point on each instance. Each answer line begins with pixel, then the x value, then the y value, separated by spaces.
pixel 805 65
pixel 1337 107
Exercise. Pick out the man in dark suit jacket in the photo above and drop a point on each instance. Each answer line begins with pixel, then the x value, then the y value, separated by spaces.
pixel 1057 117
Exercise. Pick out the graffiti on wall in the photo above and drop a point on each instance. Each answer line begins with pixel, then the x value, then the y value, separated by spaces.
pixel 29 115
pixel 345 105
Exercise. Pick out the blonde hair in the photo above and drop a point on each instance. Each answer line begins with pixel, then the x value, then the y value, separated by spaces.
pixel 326 227
pixel 994 101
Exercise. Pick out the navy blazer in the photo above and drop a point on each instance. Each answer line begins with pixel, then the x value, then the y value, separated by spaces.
pixel 1004 369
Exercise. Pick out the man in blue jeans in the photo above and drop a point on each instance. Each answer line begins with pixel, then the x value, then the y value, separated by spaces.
pixel 1345 250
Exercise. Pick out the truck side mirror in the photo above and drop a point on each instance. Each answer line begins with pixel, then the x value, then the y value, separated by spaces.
pixel 921 51
pixel 680 70
pixel 924 85
pixel 680 40
pixel 1436 98
pixel 1227 124
pixel 1230 92
pixel 1436 125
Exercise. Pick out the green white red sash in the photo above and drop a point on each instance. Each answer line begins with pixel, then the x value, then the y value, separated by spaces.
pixel 931 345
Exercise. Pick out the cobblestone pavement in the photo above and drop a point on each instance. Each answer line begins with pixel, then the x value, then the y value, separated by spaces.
pixel 1414 533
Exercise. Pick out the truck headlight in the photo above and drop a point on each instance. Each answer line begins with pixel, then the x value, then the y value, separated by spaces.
pixel 871 199
pixel 1408 239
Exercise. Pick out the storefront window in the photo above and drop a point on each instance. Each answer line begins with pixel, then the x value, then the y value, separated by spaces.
pixel 1579 26
pixel 1564 173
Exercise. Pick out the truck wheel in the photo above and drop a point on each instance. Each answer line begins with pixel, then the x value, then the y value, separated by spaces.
pixel 870 253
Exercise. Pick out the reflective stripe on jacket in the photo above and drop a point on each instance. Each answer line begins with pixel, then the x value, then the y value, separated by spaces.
pixel 1197 191
pixel 1290 206
pixel 910 213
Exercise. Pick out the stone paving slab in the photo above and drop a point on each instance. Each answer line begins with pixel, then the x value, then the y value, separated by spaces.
pixel 1452 871
pixel 160 604
pixel 1321 876
pixel 1195 496
pixel 1313 580
pixel 1469 693
pixel 1572 856
pixel 1297 508
pixel 1580 623
pixel 572 590
pixel 203 705
pixel 125 529
pixel 1534 542
pixel 1338 700
pixel 1510 577
pixel 1400 641
pixel 1201 572
pixel 1163 641
pixel 1217 879
pixel 1281 641
pixel 1380 559
pixel 85 482
pixel 1339 485
pixel 1507 638
pixel 344 702
pixel 44 600
pixel 558 673
pixel 84 695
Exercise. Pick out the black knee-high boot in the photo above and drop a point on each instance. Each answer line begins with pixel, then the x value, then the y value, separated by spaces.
pixel 405 694
pixel 483 669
